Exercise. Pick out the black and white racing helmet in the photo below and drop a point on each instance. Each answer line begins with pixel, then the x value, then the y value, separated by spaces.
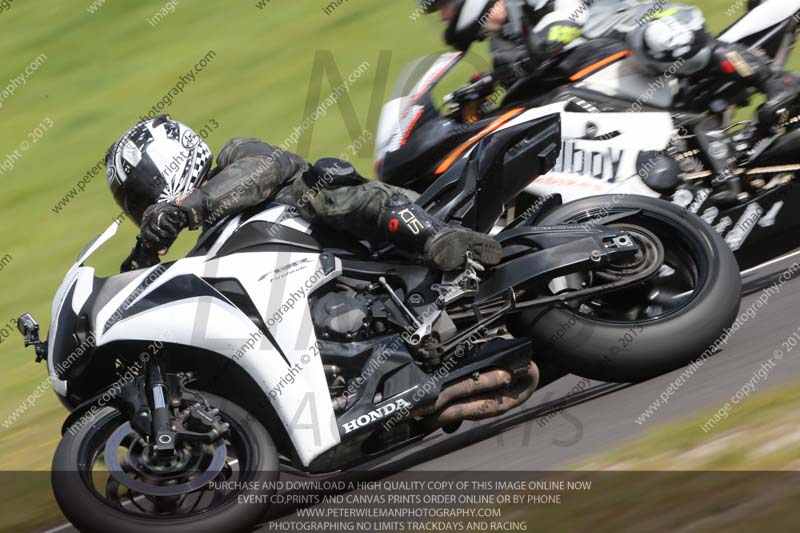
pixel 676 42
pixel 158 160
pixel 468 20
pixel 431 6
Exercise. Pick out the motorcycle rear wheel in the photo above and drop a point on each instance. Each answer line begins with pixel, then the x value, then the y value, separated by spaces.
pixel 644 331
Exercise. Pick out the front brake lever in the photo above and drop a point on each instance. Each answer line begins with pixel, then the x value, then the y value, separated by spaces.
pixel 140 257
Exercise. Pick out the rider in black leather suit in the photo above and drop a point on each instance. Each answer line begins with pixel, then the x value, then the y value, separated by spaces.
pixel 159 173
pixel 661 35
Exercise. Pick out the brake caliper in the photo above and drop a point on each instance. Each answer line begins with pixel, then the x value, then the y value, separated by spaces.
pixel 198 423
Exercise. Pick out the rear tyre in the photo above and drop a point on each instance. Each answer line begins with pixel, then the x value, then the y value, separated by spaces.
pixel 645 331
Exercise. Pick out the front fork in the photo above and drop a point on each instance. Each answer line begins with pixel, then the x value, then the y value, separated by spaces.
pixel 146 401
pixel 166 413
pixel 161 429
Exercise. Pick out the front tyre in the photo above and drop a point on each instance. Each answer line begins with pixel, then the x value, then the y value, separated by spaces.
pixel 96 501
pixel 647 330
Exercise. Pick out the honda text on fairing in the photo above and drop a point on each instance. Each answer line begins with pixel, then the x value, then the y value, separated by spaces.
pixel 278 344
pixel 625 132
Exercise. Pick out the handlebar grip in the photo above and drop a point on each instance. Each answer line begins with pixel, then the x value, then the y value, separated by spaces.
pixel 477 86
pixel 140 257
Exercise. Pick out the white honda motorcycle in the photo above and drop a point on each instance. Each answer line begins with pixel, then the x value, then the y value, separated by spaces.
pixel 275 343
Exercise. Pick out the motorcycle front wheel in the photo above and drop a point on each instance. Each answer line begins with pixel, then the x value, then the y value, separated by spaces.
pixel 105 479
pixel 649 329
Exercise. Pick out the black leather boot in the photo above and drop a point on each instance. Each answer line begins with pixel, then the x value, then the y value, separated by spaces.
pixel 444 246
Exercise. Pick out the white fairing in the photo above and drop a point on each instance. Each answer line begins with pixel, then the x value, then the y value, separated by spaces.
pixel 585 167
pixel 388 135
pixel 81 277
pixel 98 242
pixel 767 15
pixel 591 167
pixel 278 283
pixel 399 114
pixel 625 79
pixel 59 386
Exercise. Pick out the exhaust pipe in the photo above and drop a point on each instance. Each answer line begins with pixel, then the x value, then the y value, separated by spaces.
pixel 483 396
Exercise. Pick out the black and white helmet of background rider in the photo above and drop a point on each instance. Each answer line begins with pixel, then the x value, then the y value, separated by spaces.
pixel 158 160
pixel 467 22
pixel 676 40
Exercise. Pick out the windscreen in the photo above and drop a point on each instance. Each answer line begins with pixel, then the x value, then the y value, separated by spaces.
pixel 399 115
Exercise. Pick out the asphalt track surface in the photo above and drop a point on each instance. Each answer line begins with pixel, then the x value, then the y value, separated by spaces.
pixel 572 419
